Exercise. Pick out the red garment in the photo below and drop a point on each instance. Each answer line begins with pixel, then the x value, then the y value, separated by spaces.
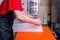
pixel 8 5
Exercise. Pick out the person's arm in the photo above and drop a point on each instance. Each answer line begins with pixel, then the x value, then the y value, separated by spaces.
pixel 16 6
pixel 20 16
pixel 27 14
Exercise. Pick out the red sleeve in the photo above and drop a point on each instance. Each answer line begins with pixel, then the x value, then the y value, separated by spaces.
pixel 15 5
pixel 8 5
pixel 3 8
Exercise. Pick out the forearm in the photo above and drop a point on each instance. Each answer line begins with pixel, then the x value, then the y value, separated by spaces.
pixel 27 15
pixel 20 16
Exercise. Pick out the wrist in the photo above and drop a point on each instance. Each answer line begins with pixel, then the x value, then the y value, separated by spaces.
pixel 33 21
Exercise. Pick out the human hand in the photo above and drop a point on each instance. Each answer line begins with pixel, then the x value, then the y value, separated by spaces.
pixel 37 21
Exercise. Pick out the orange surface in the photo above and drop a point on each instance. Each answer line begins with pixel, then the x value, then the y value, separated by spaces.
pixel 46 35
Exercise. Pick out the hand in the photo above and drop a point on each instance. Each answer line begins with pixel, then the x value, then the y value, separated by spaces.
pixel 37 21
